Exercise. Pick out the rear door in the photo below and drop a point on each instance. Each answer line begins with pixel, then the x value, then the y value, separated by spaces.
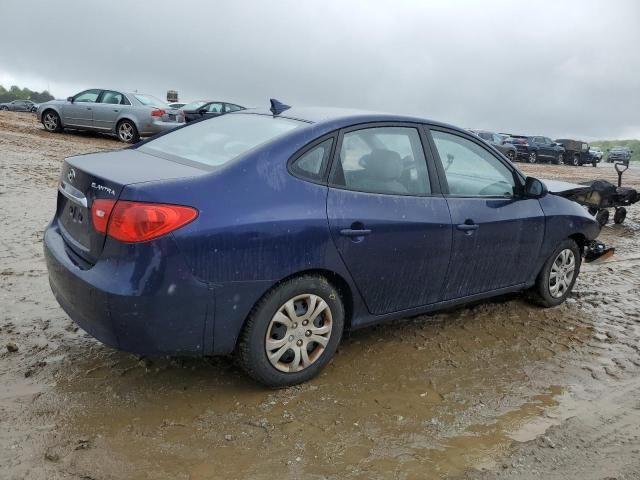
pixel 388 220
pixel 496 234
pixel 107 109
pixel 79 113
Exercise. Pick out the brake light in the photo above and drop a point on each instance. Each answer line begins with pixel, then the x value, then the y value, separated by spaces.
pixel 137 221
pixel 100 212
pixel 158 112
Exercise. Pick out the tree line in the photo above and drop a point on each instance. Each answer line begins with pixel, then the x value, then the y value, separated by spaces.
pixel 17 93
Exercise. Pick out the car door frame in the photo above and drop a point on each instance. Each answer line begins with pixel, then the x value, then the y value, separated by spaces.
pixel 519 181
pixel 74 103
pixel 117 107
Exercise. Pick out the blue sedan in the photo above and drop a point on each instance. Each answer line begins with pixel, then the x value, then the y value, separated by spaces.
pixel 267 234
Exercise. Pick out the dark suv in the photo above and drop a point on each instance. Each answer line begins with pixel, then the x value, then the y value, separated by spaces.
pixel 576 152
pixel 619 154
pixel 538 149
pixel 501 143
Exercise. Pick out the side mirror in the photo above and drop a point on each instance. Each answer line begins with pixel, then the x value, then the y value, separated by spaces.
pixel 534 188
pixel 202 111
pixel 70 99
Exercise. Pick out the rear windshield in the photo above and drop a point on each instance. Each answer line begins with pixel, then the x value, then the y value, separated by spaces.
pixel 149 100
pixel 218 140
pixel 194 105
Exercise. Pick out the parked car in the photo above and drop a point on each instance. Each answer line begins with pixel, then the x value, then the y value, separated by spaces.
pixel 538 149
pixel 499 142
pixel 177 105
pixel 596 153
pixel 206 108
pixel 576 152
pixel 266 234
pixel 127 115
pixel 18 106
pixel 619 154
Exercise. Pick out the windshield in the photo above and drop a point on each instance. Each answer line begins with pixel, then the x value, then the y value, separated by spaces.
pixel 194 105
pixel 149 100
pixel 216 141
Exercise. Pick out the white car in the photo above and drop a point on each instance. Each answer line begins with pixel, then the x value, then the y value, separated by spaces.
pixel 596 153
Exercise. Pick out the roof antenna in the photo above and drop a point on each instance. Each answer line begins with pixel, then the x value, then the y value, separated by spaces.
pixel 278 107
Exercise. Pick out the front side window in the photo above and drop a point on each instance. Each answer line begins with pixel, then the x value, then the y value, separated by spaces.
pixel 470 169
pixel 313 163
pixel 387 160
pixel 87 96
pixel 218 140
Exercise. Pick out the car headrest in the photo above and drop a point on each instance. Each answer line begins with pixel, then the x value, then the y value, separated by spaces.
pixel 382 164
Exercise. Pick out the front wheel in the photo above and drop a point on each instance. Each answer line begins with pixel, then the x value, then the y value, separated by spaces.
pixel 559 159
pixel 127 132
pixel 533 157
pixel 292 333
pixel 511 155
pixel 558 275
pixel 602 217
pixel 4 109
pixel 575 161
pixel 51 121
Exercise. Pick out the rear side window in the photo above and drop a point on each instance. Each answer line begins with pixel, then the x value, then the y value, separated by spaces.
pixel 387 160
pixel 313 163
pixel 218 140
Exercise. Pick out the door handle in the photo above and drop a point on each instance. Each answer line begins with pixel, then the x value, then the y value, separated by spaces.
pixel 467 227
pixel 355 232
pixel 88 108
pixel 115 110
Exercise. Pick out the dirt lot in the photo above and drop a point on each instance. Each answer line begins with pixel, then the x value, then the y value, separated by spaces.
pixel 497 390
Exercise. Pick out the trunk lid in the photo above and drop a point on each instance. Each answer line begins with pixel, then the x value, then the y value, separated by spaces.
pixel 87 178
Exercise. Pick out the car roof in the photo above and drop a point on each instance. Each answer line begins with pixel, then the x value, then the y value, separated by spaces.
pixel 343 116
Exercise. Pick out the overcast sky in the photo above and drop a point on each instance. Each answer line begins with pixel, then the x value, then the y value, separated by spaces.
pixel 555 68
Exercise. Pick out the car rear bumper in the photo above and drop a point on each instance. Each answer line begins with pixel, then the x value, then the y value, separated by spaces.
pixel 157 126
pixel 146 302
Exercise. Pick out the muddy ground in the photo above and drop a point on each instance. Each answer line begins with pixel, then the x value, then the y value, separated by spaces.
pixel 502 389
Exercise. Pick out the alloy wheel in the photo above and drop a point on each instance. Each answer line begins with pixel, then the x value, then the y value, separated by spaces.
pixel 298 333
pixel 50 121
pixel 562 271
pixel 125 132
pixel 532 157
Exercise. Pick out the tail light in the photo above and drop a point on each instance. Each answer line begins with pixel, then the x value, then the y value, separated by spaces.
pixel 137 221
pixel 158 112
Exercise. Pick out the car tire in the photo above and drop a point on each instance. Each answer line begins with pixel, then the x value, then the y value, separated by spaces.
pixel 532 158
pixel 620 215
pixel 558 275
pixel 559 159
pixel 511 155
pixel 602 217
pixel 575 161
pixel 4 109
pixel 51 121
pixel 278 324
pixel 127 131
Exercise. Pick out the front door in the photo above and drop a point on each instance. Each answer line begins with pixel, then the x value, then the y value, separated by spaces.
pixel 79 113
pixel 497 234
pixel 391 228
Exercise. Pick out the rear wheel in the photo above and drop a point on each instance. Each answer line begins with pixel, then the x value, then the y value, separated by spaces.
pixel 620 215
pixel 51 121
pixel 533 157
pixel 511 155
pixel 292 333
pixel 558 160
pixel 127 132
pixel 575 161
pixel 4 108
pixel 558 275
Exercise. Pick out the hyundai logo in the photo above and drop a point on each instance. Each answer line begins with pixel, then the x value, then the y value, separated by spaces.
pixel 71 175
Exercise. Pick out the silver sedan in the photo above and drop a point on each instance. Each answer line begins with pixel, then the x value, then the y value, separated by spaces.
pixel 127 115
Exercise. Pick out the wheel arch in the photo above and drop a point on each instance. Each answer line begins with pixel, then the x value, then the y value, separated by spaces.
pixel 580 239
pixel 122 119
pixel 57 112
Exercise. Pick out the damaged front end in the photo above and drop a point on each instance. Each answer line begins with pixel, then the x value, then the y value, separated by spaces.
pixel 595 250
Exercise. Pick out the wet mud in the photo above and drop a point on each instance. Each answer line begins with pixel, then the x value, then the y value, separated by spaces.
pixel 500 389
